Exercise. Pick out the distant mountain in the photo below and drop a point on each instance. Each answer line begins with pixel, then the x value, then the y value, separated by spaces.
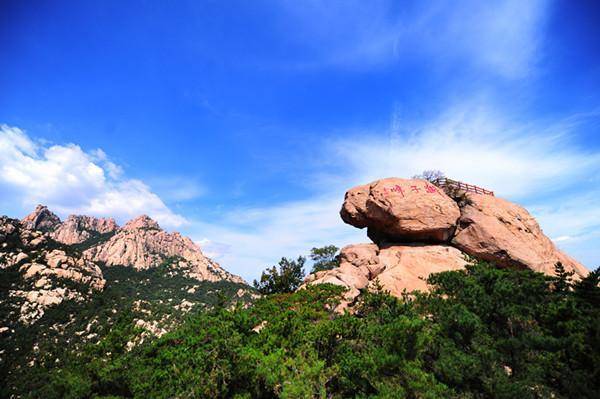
pixel 69 283
pixel 141 243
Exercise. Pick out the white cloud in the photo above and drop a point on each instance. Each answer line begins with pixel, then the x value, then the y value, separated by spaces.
pixel 70 180
pixel 475 144
pixel 246 241
pixel 533 163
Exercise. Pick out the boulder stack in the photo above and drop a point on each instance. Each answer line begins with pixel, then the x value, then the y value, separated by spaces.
pixel 418 229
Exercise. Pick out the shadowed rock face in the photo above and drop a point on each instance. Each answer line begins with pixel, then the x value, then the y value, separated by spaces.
pixel 401 210
pixel 405 219
pixel 41 219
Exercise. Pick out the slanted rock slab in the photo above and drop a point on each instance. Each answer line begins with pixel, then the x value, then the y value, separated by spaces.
pixel 496 230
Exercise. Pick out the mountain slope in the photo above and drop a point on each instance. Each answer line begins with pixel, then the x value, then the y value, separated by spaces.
pixel 63 285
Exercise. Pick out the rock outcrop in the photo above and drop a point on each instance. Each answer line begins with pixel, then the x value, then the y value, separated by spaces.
pixel 41 219
pixel 496 230
pixel 48 275
pixel 419 229
pixel 142 244
pixel 359 264
pixel 77 229
pixel 401 210
pixel 397 268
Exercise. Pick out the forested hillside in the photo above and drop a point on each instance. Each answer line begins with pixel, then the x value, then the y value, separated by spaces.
pixel 144 303
pixel 480 332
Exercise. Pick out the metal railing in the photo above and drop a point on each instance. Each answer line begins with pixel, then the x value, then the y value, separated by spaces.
pixel 470 188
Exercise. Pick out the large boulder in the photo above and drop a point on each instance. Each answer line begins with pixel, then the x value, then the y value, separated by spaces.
pixel 396 268
pixel 419 230
pixel 407 267
pixel 401 210
pixel 500 231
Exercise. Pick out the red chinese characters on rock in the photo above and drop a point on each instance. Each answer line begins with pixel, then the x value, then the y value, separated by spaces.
pixel 429 188
pixel 395 189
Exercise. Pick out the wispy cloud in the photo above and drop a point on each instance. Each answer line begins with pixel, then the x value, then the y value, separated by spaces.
pixel 534 163
pixel 70 180
pixel 248 240
pixel 502 37
pixel 177 188
pixel 475 143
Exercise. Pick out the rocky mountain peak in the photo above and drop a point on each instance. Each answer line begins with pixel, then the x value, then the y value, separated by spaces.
pixel 41 219
pixel 141 222
pixel 140 243
pixel 79 228
pixel 59 261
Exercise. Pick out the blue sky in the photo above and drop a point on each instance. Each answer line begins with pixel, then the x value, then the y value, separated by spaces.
pixel 242 124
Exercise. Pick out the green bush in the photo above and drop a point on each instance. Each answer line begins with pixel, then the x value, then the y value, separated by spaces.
pixel 285 278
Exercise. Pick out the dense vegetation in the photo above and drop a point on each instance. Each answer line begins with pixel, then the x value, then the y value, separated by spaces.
pixel 483 332
pixel 154 296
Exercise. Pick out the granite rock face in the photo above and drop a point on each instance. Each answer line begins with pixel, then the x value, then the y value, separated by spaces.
pixel 401 210
pixel 77 229
pixel 41 219
pixel 407 267
pixel 142 244
pixel 419 229
pixel 496 230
